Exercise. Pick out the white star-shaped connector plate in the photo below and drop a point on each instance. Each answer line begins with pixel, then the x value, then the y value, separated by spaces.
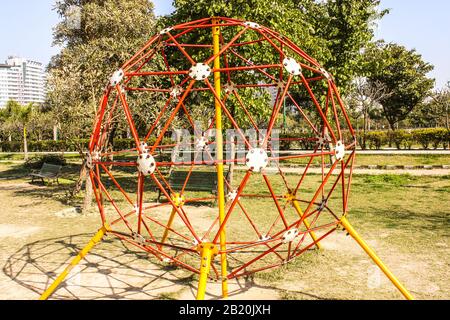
pixel 146 164
pixel 325 73
pixel 289 235
pixel 339 151
pixel 200 72
pixel 252 25
pixel 166 30
pixel 257 159
pixel 116 78
pixel 292 66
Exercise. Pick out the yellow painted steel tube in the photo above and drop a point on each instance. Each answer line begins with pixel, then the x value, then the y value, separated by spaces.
pixel 219 154
pixel 346 224
pixel 207 251
pixel 96 239
pixel 169 225
pixel 305 222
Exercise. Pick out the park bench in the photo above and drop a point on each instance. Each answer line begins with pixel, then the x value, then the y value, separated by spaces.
pixel 48 171
pixel 198 181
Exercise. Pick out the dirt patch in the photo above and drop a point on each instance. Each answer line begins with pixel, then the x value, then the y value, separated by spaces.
pixel 19 186
pixel 16 231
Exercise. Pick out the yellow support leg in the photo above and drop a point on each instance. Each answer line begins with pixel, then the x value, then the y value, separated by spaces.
pixel 178 200
pixel 305 222
pixel 96 239
pixel 219 153
pixel 346 224
pixel 169 225
pixel 207 251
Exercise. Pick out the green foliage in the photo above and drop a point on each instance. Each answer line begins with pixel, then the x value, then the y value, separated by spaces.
pixel 111 31
pixel 332 32
pixel 403 73
pixel 376 139
pixel 69 145
pixel 36 162
pixel 347 27
pixel 432 137
pixel 405 139
pixel 434 112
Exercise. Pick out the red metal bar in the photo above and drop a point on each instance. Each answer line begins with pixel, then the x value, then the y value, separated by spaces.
pixel 280 211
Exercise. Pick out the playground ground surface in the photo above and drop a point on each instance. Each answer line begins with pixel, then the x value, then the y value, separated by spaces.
pixel 404 217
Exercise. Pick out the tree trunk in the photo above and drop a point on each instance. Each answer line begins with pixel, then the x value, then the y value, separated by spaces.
pixel 81 176
pixel 87 203
pixel 55 132
pixel 25 143
pixel 364 146
pixel 446 118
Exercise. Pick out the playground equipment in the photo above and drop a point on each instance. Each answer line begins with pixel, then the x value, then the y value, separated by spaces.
pixel 239 75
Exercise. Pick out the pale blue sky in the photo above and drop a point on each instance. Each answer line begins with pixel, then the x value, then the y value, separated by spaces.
pixel 26 29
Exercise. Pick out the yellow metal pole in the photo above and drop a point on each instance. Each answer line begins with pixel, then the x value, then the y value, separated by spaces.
pixel 305 222
pixel 219 154
pixel 207 251
pixel 96 239
pixel 178 200
pixel 169 225
pixel 346 224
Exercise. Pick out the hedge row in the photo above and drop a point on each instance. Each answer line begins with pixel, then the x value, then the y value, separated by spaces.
pixel 406 139
pixel 402 139
pixel 66 146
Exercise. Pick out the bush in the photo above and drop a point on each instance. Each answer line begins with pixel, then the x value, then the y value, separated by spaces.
pixel 399 137
pixel 11 146
pixel 427 137
pixel 376 139
pixel 36 162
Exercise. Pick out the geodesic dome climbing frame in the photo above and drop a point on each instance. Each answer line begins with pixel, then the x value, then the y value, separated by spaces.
pixel 242 77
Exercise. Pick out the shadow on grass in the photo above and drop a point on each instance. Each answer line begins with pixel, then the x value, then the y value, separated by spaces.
pixel 110 271
pixel 14 171
pixel 399 218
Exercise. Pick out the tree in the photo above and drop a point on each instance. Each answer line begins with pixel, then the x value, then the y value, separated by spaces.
pixel 97 36
pixel 333 32
pixel 108 33
pixel 364 100
pixel 348 27
pixel 16 118
pixel 441 100
pixel 403 73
